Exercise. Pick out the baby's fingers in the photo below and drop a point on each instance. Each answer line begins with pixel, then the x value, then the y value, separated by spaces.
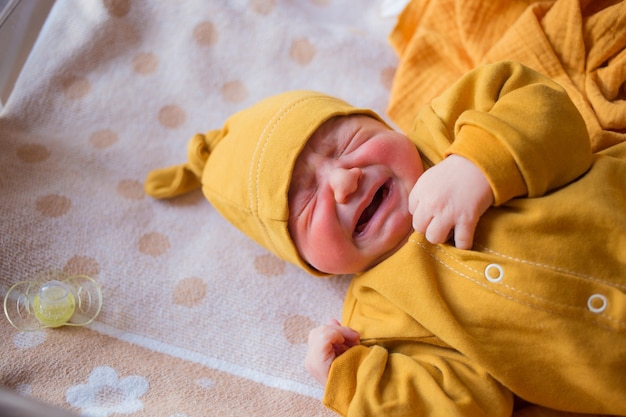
pixel 413 199
pixel 334 335
pixel 350 336
pixel 421 220
pixel 439 230
pixel 464 235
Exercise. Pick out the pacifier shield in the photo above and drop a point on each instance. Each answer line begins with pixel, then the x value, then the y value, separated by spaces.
pixel 53 299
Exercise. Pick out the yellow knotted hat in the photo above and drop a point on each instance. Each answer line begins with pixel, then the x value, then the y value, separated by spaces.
pixel 245 168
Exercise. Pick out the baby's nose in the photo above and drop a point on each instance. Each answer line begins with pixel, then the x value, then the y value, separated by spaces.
pixel 344 181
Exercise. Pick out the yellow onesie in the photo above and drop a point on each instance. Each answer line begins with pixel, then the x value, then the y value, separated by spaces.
pixel 537 309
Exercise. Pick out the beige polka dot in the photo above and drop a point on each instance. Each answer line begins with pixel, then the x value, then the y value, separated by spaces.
pixel 269 265
pixel 53 205
pixel 386 77
pixel 205 34
pixel 103 138
pixel 320 2
pixel 296 329
pixel 190 292
pixel 145 63
pixel 75 87
pixel 131 189
pixel 82 265
pixel 32 153
pixel 263 7
pixel 302 51
pixel 117 8
pixel 154 244
pixel 234 91
pixel 172 116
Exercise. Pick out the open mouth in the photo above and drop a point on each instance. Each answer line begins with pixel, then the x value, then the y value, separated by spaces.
pixel 370 210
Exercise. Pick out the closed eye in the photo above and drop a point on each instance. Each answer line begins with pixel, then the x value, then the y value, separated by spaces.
pixel 350 142
pixel 299 203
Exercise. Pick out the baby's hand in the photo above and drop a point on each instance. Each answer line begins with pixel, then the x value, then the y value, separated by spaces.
pixel 325 344
pixel 448 200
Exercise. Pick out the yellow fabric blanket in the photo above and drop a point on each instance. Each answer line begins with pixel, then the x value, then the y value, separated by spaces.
pixel 579 44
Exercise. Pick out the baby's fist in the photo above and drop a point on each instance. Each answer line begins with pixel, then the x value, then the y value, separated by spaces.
pixel 325 344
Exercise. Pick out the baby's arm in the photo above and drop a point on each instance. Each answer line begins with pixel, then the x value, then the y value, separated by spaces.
pixel 325 344
pixel 522 134
pixel 518 127
pixel 410 378
pixel 448 200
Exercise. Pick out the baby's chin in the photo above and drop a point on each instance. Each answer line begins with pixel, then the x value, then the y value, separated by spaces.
pixel 401 238
pixel 399 244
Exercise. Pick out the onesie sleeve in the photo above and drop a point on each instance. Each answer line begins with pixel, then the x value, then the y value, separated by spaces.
pixel 412 379
pixel 518 126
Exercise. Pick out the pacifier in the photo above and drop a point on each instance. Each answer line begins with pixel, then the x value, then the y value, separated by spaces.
pixel 53 299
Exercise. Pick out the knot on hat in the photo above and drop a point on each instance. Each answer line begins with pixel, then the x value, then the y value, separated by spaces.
pixel 181 179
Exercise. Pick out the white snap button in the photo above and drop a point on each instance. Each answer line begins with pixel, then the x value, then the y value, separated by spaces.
pixel 597 303
pixel 494 273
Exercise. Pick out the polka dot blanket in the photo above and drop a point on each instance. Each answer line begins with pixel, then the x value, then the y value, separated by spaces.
pixel 196 320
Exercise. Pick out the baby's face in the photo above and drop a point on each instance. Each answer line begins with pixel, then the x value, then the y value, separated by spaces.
pixel 348 198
